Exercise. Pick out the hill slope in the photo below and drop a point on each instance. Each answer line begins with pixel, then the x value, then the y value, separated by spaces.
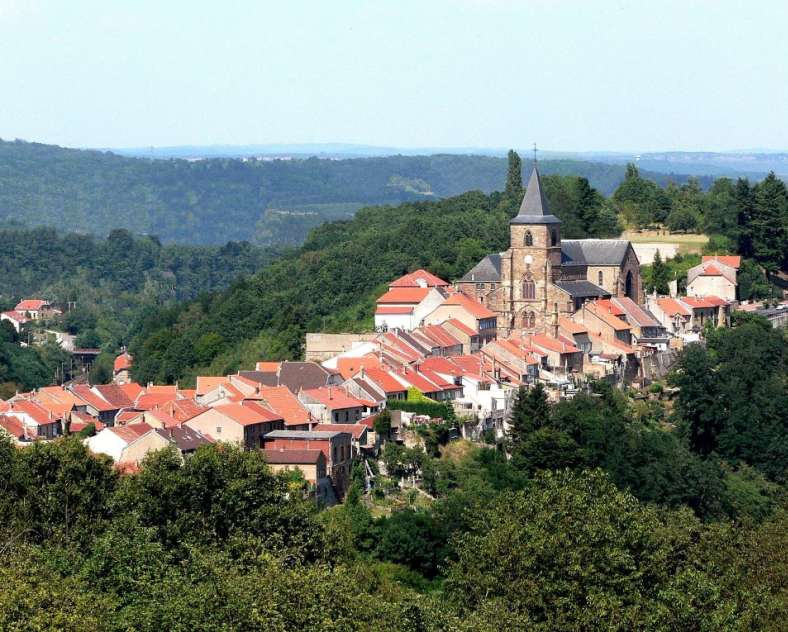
pixel 218 200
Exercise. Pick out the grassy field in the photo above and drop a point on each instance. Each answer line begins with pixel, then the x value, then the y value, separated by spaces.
pixel 686 243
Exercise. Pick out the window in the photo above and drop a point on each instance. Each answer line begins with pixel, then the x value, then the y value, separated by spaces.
pixel 529 238
pixel 532 320
pixel 601 278
pixel 218 430
pixel 480 286
pixel 554 238
pixel 529 290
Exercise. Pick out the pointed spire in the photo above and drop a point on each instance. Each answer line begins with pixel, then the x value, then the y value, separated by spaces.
pixel 534 208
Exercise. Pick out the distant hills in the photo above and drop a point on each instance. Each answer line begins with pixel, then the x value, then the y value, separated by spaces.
pixel 213 199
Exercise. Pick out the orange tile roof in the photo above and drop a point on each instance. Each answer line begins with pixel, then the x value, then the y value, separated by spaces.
pixel 419 381
pixel 571 326
pixel 206 383
pixel 548 342
pixel 267 367
pixel 698 302
pixel 132 390
pixel 384 380
pixel 462 327
pixel 247 414
pixel 164 418
pixel 412 295
pixel 604 315
pixel 12 426
pixel 716 301
pixel 348 367
pixel 671 307
pixel 385 310
pixel 83 392
pixel 441 335
pixel 183 409
pixel 412 279
pixel 734 261
pixel 148 401
pixel 163 389
pixel 132 432
pixel 283 402
pixel 333 398
pixel 610 306
pixel 123 362
pixel 29 304
pixel 473 307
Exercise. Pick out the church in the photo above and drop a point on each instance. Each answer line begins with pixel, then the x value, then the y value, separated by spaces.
pixel 542 277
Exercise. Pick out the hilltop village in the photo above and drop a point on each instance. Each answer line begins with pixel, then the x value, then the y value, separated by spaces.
pixel 547 311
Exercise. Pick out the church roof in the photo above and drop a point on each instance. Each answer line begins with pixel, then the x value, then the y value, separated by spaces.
pixel 593 252
pixel 582 289
pixel 488 270
pixel 534 208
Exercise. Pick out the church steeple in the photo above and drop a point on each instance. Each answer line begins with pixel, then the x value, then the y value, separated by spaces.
pixel 534 208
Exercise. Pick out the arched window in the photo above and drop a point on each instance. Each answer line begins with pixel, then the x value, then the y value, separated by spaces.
pixel 529 290
pixel 553 238
pixel 531 320
pixel 601 278
pixel 529 238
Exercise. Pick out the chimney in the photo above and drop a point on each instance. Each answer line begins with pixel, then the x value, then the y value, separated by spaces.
pixel 361 372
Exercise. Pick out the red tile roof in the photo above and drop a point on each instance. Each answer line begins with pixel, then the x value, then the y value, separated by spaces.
pixel 671 307
pixel 419 381
pixel 348 367
pixel 36 412
pixel 114 395
pixel 385 310
pixel 548 342
pixel 700 302
pixel 473 307
pixel 462 327
pixel 412 280
pixel 132 432
pixel 149 401
pixel 30 304
pixel 610 306
pixel 333 398
pixel 247 414
pixel 17 316
pixel 406 295
pixel 183 409
pixel 282 401
pixel 571 326
pixel 123 362
pixel 132 390
pixel 441 335
pixel 12 426
pixel 734 261
pixel 384 380
pixel 267 367
pixel 79 421
pixel 604 315
pixel 206 383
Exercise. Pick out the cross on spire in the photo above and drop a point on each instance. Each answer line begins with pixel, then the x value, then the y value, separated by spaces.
pixel 535 150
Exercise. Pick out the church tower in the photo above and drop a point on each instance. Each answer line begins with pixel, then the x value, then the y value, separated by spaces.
pixel 534 260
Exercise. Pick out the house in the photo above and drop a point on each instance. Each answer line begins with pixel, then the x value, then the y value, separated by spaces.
pixel 712 310
pixel 468 311
pixel 429 383
pixel 38 422
pixel 121 369
pixel 332 405
pixel 576 332
pixel 602 318
pixel 296 376
pixel 384 381
pixel 366 391
pixel 17 319
pixel 419 278
pixel 35 308
pixel 511 363
pixel 244 424
pixel 714 276
pixel 673 315
pixel 406 307
pixel 468 336
pixel 646 330
pixel 560 355
pixel 335 446
pixel 12 427
pixel 311 463
pixel 440 341
pixel 186 439
pixel 94 404
pixel 127 445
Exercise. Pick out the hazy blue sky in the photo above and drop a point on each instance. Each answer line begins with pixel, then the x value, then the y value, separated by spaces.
pixel 571 75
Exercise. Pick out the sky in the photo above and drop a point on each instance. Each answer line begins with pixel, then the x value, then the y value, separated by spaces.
pixel 570 75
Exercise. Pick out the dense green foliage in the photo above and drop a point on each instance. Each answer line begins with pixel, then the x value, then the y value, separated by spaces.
pixel 219 200
pixel 331 282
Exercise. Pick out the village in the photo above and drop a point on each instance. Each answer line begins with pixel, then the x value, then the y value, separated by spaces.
pixel 560 313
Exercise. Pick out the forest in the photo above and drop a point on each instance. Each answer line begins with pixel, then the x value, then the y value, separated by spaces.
pixel 103 287
pixel 219 200
pixel 613 512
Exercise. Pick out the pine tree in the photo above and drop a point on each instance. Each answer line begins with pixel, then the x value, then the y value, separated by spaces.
pixel 744 202
pixel 769 219
pixel 660 275
pixel 514 177
pixel 530 412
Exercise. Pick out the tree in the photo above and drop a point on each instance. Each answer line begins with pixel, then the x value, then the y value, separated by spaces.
pixel 514 177
pixel 744 197
pixel 769 223
pixel 682 219
pixel 382 424
pixel 698 402
pixel 530 412
pixel 660 276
